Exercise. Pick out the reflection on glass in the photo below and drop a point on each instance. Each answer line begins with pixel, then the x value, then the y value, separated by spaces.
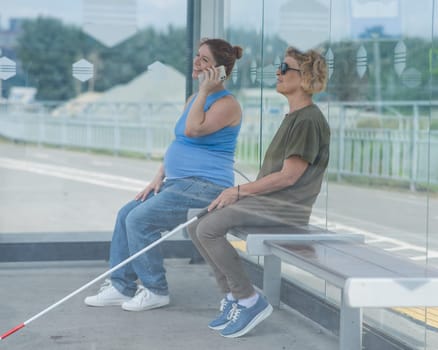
pixel 383 119
pixel 7 68
pixel 110 22
pixel 82 70
pixel 62 87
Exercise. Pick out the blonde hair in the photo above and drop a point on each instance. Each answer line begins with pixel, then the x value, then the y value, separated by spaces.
pixel 313 69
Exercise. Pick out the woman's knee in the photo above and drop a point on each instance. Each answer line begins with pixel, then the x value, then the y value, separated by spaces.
pixel 211 228
pixel 125 210
pixel 191 230
pixel 130 223
pixel 139 220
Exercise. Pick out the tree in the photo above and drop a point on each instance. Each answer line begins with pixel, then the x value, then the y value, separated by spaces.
pixel 258 50
pixel 47 49
pixel 346 85
pixel 122 63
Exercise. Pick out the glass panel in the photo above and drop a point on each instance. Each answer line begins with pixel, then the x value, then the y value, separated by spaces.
pixel 85 76
pixel 89 94
pixel 380 124
pixel 380 110
pixel 380 105
pixel 246 78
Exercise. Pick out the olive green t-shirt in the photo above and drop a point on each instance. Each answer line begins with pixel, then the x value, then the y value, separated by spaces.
pixel 304 133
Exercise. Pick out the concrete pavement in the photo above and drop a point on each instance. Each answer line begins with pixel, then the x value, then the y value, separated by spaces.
pixel 29 288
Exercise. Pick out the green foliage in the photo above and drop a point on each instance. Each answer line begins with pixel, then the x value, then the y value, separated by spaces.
pixel 47 49
pixel 417 57
pixel 256 49
pixel 346 85
pixel 125 61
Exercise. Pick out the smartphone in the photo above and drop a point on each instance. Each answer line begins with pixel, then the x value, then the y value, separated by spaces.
pixel 222 75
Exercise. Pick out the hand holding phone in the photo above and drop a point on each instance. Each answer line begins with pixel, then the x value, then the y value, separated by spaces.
pixel 222 74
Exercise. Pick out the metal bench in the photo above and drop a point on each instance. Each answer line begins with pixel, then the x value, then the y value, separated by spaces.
pixel 366 276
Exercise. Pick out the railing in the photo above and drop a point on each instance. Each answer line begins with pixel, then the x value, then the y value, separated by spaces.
pixel 400 148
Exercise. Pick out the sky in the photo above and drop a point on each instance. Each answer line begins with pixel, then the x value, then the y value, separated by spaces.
pixel 157 13
pixel 416 20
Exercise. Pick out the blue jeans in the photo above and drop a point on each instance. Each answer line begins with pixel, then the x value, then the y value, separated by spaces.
pixel 139 223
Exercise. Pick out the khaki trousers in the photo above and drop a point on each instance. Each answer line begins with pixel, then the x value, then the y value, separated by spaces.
pixel 209 236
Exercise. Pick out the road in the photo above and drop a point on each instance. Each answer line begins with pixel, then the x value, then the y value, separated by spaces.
pixel 55 190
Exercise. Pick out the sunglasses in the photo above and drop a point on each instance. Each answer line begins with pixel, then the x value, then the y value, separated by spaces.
pixel 283 67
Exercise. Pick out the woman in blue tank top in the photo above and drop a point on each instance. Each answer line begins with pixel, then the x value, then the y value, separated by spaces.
pixel 197 166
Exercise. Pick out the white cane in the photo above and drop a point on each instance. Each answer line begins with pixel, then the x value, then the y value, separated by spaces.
pixel 105 274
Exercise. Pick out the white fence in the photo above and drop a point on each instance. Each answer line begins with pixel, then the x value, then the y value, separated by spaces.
pixel 400 148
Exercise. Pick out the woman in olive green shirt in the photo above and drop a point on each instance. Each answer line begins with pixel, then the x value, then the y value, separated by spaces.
pixel 283 193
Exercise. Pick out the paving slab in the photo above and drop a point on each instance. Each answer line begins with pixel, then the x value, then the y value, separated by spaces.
pixel 28 288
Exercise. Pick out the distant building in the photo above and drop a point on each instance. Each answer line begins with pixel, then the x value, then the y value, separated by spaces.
pixel 9 36
pixel 22 95
pixel 158 92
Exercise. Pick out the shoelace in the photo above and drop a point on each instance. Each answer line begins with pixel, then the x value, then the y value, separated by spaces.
pixel 142 290
pixel 234 313
pixel 139 289
pixel 224 303
pixel 106 284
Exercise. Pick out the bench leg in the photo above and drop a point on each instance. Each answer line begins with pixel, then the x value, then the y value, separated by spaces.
pixel 350 332
pixel 272 279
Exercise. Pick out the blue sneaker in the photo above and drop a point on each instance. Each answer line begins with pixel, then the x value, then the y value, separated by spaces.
pixel 224 316
pixel 244 319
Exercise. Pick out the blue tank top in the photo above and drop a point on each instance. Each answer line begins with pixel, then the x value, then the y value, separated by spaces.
pixel 210 157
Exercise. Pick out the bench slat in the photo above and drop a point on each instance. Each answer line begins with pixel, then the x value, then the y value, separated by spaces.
pixel 331 264
pixel 385 292
pixel 255 243
pixel 401 266
pixel 358 260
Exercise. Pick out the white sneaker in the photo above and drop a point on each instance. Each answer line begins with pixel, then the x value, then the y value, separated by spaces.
pixel 144 299
pixel 107 296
